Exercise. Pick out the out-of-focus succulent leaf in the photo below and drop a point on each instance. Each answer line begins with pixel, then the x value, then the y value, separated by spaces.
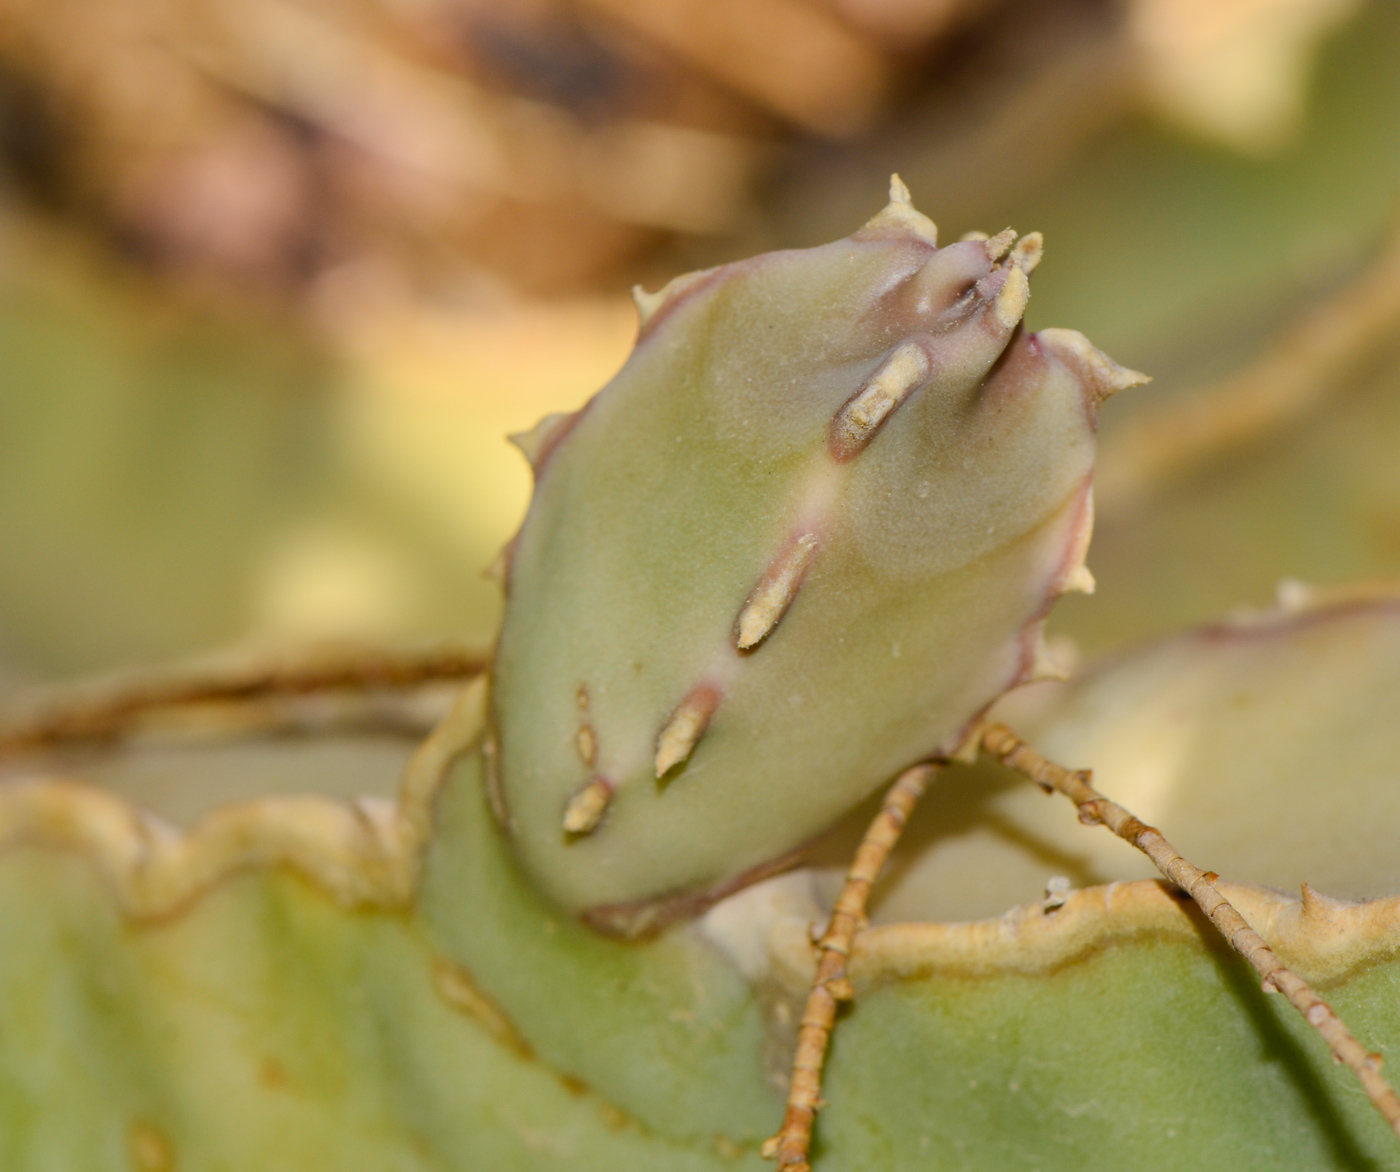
pixel 144 453
pixel 1319 503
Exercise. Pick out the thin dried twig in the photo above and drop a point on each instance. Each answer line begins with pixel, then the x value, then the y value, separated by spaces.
pixel 93 714
pixel 1313 355
pixel 790 1146
pixel 1001 743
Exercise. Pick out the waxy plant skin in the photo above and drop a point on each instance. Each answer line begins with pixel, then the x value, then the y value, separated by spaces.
pixel 803 538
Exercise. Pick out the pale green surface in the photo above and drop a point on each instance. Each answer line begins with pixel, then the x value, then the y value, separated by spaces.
pixel 147 451
pixel 1185 260
pixel 660 509
pixel 1177 257
pixel 1270 750
pixel 270 1028
pixel 1155 1055
pixel 163 463
pixel 667 1030
pixel 181 780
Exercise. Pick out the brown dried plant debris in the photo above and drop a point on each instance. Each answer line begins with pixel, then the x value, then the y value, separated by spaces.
pixel 794 59
pixel 122 706
pixel 1311 357
pixel 790 1146
pixel 257 141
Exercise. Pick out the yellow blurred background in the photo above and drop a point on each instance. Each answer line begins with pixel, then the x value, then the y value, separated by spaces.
pixel 278 276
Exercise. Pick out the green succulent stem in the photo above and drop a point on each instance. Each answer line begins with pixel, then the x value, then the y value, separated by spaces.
pixel 1095 809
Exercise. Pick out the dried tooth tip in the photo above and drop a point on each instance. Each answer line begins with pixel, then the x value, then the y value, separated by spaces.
pixel 840 989
pixel 1028 251
pixel 536 443
pixel 1011 301
pixel 969 747
pixel 1104 375
pixel 1057 889
pixel 1080 580
pixel 1045 666
pixel 499 569
pixel 771 597
pixel 857 422
pixel 973 235
pixel 586 742
pixel 647 304
pixel 900 218
pixel 1292 596
pixel 650 304
pixel 1318 907
pixel 1000 244
pixel 685 727
pixel 587 807
pixel 1122 378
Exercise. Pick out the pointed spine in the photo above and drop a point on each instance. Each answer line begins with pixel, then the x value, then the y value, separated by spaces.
pixel 587 806
pixel 685 726
pixel 1080 581
pixel 647 304
pixel 1320 910
pixel 1044 665
pixel 774 592
pixel 865 412
pixel 1104 376
pixel 899 218
pixel 1011 300
pixel 999 245
pixel 537 443
pixel 1028 251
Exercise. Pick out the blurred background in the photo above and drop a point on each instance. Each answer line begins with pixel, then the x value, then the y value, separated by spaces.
pixel 277 276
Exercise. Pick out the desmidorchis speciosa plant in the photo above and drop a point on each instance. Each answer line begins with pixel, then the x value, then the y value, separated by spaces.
pixel 803 538
pixel 798 547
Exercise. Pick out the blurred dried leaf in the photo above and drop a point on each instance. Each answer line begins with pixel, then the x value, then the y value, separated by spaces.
pixel 1235 70
pixel 789 56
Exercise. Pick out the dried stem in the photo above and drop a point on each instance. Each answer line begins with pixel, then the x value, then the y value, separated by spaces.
pixel 790 1146
pixel 87 713
pixel 1001 743
pixel 1315 354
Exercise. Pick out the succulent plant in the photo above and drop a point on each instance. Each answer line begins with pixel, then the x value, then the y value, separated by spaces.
pixel 807 537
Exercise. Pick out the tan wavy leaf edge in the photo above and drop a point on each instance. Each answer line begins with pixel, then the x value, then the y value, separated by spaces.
pixel 365 852
pixel 1324 940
